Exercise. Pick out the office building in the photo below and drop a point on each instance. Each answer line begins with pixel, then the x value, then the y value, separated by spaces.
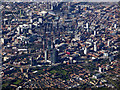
pixel 46 55
pixel 54 56
pixel 85 50
pixel 33 62
pixel 108 43
pixel 95 47
pixel 95 32
pixel 49 44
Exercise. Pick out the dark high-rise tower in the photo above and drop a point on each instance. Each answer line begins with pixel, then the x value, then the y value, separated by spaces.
pixel 33 62
pixel 54 56
pixel 49 44
pixel 52 45
pixel 79 8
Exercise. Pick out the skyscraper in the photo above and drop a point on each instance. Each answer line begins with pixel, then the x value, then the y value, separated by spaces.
pixel 100 69
pixel 95 47
pixel 87 25
pixel 108 43
pixel 33 62
pixel 79 8
pixel 115 26
pixel 44 44
pixel 54 56
pixel 49 44
pixel 52 45
pixel 46 55
pixel 85 51
pixel 94 32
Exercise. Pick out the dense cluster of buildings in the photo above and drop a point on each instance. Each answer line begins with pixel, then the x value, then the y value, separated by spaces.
pixel 46 34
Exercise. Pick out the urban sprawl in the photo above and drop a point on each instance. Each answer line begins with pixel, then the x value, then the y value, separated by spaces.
pixel 60 45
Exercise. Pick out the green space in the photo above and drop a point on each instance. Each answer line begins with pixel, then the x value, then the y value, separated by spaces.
pixel 17 82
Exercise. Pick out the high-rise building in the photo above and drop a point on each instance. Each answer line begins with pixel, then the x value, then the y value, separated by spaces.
pixel 52 6
pixel 44 44
pixel 94 32
pixel 105 54
pixel 33 62
pixel 85 50
pixel 87 25
pixel 100 69
pixel 20 12
pixel 40 20
pixel 21 70
pixel 52 45
pixel 30 26
pixel 107 67
pixel 54 56
pixel 95 47
pixel 49 44
pixel 30 31
pixel 2 40
pixel 111 58
pixel 115 26
pixel 46 55
pixel 31 20
pixel 19 30
pixel 79 8
pixel 108 43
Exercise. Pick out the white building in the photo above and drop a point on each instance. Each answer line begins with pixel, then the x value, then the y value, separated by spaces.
pixel 115 26
pixel 108 43
pixel 87 25
pixel 95 47
pixel 2 40
pixel 95 32
pixel 46 55
pixel 100 69
pixel 40 20
pixel 85 50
